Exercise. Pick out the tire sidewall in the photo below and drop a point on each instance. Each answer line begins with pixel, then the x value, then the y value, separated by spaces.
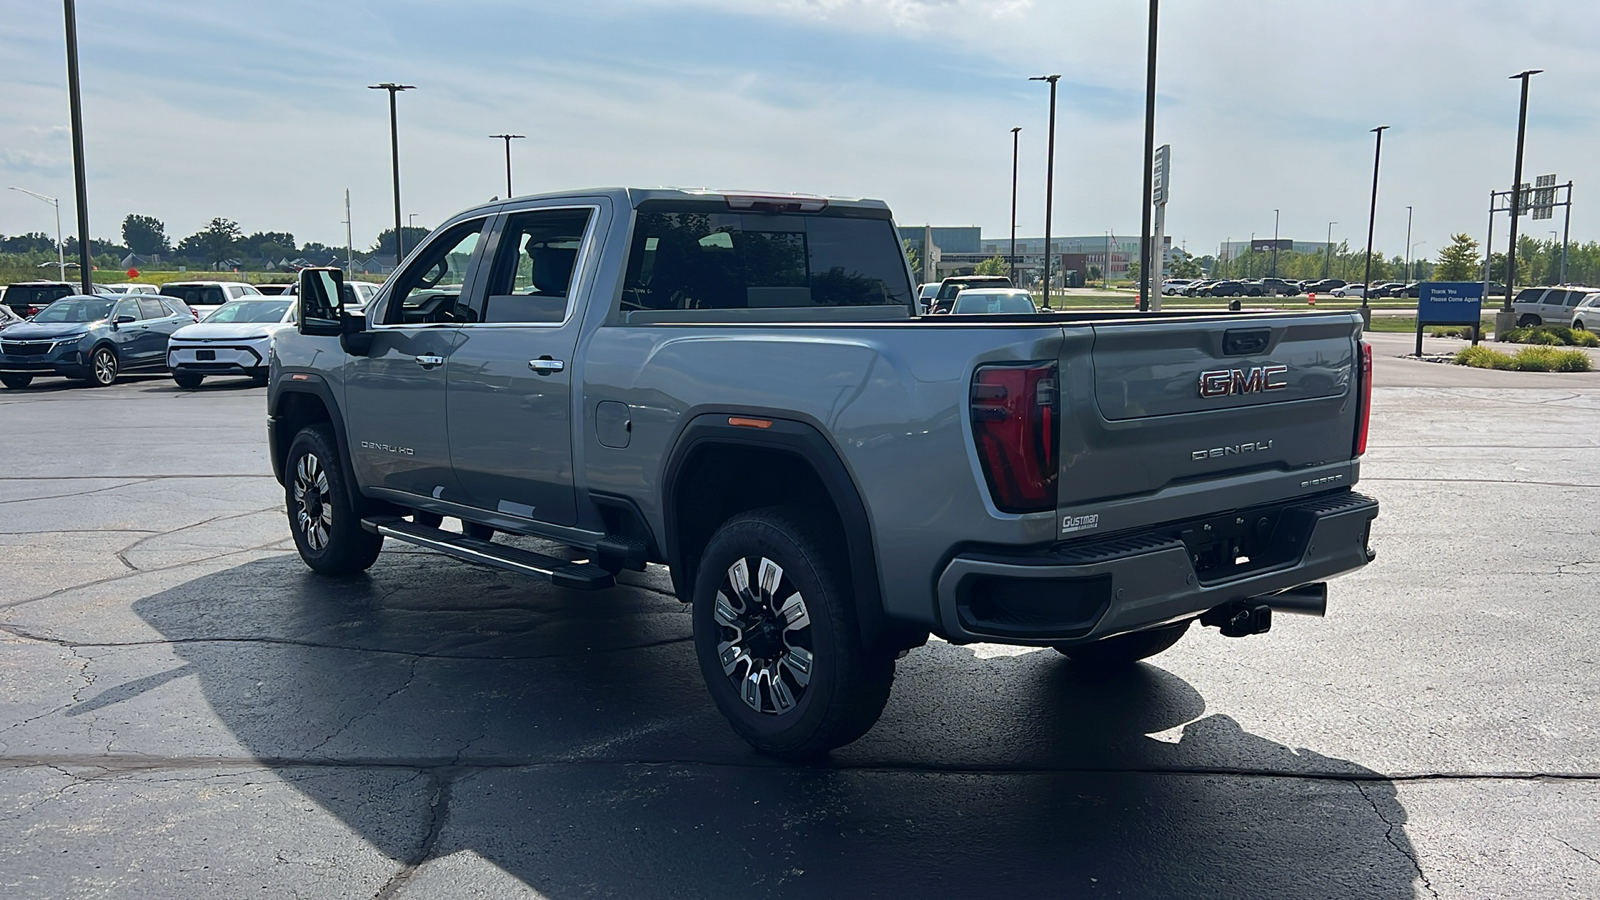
pixel 94 369
pixel 349 549
pixel 754 536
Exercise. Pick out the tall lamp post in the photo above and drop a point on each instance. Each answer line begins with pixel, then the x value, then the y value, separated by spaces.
pixel 1506 319
pixel 394 149
pixel 1408 243
pixel 80 181
pixel 61 259
pixel 508 138
pixel 1013 256
pixel 1372 216
pixel 1049 180
pixel 1327 256
pixel 1274 243
pixel 1145 250
pixel 1411 255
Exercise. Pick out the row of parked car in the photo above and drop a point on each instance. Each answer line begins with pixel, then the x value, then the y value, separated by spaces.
pixel 192 329
pixel 1279 287
pixel 1572 305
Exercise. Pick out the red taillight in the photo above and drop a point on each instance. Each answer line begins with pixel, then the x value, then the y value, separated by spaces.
pixel 1014 425
pixel 1364 414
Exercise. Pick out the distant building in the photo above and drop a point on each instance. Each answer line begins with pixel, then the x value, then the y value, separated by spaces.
pixel 1236 249
pixel 958 250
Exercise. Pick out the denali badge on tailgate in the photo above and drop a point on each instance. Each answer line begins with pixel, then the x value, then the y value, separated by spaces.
pixel 1223 382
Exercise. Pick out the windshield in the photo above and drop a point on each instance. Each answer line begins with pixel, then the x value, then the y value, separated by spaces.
pixel 85 310
pixel 969 302
pixel 195 294
pixel 258 311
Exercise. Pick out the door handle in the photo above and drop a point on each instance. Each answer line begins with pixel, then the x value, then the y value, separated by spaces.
pixel 430 362
pixel 544 365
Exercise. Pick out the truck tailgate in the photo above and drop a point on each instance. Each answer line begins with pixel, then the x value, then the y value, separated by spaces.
pixel 1185 406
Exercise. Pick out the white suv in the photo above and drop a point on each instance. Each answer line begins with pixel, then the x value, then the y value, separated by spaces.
pixel 205 296
pixel 1547 305
pixel 1586 315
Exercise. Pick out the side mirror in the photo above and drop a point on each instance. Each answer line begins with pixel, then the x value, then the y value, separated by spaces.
pixel 123 319
pixel 321 301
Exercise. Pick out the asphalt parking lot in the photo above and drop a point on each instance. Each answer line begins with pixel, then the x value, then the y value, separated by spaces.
pixel 185 711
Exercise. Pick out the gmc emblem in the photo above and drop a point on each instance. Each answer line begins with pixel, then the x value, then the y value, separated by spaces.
pixel 1224 382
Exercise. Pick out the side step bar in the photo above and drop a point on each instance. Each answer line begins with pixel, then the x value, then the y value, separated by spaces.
pixel 562 573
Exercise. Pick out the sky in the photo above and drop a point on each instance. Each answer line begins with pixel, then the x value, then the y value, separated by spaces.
pixel 260 113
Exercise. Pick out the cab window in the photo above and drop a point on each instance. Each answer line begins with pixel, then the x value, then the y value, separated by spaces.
pixel 536 266
pixel 430 289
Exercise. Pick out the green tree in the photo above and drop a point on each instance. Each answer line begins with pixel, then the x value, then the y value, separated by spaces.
pixel 385 245
pixel 1094 273
pixel 912 257
pixel 994 265
pixel 1184 265
pixel 1133 270
pixel 214 244
pixel 1458 261
pixel 145 235
pixel 273 245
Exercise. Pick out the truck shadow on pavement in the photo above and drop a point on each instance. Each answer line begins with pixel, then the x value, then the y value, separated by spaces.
pixel 528 737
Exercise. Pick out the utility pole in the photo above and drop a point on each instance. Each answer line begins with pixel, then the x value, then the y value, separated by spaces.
pixel 85 267
pixel 1327 255
pixel 1372 217
pixel 394 148
pixel 349 237
pixel 1013 256
pixel 1147 202
pixel 508 138
pixel 1506 319
pixel 1050 181
pixel 1274 243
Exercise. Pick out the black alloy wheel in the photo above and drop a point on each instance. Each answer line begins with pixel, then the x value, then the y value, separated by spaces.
pixel 326 529
pixel 775 632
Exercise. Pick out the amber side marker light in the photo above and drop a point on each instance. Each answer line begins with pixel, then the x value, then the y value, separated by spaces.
pixel 749 423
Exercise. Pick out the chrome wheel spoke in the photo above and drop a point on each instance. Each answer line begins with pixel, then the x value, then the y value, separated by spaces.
pixel 771 573
pixel 730 655
pixel 725 613
pixel 764 648
pixel 794 614
pixel 782 698
pixel 798 662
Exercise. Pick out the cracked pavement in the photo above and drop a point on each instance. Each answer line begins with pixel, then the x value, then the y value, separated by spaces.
pixel 186 711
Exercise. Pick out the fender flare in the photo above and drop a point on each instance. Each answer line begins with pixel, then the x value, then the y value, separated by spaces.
pixel 806 441
pixel 278 442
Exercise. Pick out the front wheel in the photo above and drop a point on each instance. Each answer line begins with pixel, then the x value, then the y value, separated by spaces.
pixel 1528 322
pixel 1125 649
pixel 103 367
pixel 16 382
pixel 775 632
pixel 326 530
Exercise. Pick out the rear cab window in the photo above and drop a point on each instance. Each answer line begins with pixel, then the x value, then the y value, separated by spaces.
pixel 691 256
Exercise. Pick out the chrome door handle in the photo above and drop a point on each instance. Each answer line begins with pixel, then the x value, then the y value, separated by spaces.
pixel 545 365
pixel 429 362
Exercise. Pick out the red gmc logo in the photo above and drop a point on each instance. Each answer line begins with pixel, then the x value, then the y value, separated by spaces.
pixel 1226 382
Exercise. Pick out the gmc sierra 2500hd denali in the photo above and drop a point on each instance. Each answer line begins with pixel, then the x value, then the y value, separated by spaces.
pixel 739 387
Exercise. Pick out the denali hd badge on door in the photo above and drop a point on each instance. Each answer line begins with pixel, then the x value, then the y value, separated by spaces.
pixel 1225 382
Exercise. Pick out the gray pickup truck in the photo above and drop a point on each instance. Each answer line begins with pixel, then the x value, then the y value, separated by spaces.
pixel 737 386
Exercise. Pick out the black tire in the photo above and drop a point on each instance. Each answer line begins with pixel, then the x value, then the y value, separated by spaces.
pixel 326 530
pixel 187 379
pixel 260 379
pixel 1528 322
pixel 16 382
pixel 815 686
pixel 1125 649
pixel 104 367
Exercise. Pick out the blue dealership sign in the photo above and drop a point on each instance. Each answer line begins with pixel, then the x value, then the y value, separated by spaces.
pixel 1449 303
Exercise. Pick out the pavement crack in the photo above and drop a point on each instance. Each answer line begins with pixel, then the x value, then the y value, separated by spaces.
pixel 12 604
pixel 438 814
pixel 126 483
pixel 1579 852
pixel 1388 835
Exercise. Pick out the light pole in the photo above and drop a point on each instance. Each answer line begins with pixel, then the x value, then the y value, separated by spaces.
pixel 1050 180
pixel 61 259
pixel 411 220
pixel 1372 216
pixel 1274 243
pixel 1014 145
pixel 1411 254
pixel 1505 320
pixel 1327 256
pixel 394 149
pixel 1408 243
pixel 508 138
pixel 80 181
pixel 1145 250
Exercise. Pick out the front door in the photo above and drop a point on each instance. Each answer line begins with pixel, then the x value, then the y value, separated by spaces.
pixel 395 395
pixel 511 376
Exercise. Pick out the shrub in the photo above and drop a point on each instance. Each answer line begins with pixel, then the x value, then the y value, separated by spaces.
pixel 1573 361
pixel 1585 338
pixel 1483 358
pixel 1541 336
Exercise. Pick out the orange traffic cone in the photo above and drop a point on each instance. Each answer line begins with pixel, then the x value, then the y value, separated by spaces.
pixel 1311 299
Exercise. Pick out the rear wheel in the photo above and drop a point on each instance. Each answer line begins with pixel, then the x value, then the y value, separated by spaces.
pixel 1125 649
pixel 187 380
pixel 103 367
pixel 775 632
pixel 326 530
pixel 16 382
pixel 1527 321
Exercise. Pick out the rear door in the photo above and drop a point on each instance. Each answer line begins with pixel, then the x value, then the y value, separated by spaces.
pixel 1153 406
pixel 511 377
